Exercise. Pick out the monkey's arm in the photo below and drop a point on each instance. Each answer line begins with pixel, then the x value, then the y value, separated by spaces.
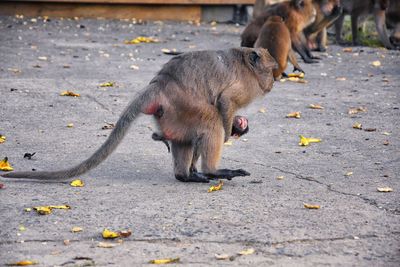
pixel 227 109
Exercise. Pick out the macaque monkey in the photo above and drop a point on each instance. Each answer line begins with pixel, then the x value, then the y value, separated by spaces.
pixel 360 8
pixel 275 37
pixel 240 127
pixel 393 21
pixel 327 11
pixel 193 99
pixel 297 14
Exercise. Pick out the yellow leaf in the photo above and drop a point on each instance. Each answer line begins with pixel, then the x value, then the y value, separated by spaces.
pixel 248 251
pixel 280 177
pixel 22 228
pixel 28 209
pixel 221 256
pixel 69 93
pixel 107 84
pixel 43 210
pixel 76 229
pixel 262 110
pixel 216 187
pixel 228 143
pixel 5 165
pixel 348 174
pixel 22 263
pixel 357 125
pixel 376 63
pixel 77 183
pixel 2 138
pixel 106 245
pixel 340 78
pixel 315 106
pixel 384 189
pixel 70 125
pixel 296 114
pixel 164 261
pixel 61 207
pixel 298 75
pixel 107 234
pixel 141 39
pixel 311 206
pixel 304 141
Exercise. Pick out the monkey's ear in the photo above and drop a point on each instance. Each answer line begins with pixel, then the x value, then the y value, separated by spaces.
pixel 254 58
pixel 299 3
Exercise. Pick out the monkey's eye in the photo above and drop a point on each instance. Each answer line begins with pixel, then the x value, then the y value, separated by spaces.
pixel 254 58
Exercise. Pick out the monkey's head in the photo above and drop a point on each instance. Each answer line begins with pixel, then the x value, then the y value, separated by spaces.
pixel 306 9
pixel 261 64
pixel 327 6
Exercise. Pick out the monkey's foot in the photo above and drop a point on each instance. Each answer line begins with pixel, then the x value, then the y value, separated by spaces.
pixel 320 49
pixel 310 60
pixel 194 177
pixel 227 174
pixel 298 69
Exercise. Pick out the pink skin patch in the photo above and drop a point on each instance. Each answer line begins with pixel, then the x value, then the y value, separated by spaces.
pixel 242 123
pixel 151 108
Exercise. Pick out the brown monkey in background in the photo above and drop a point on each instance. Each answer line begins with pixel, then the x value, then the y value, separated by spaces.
pixel 275 37
pixel 193 99
pixel 327 11
pixel 360 8
pixel 297 14
pixel 393 21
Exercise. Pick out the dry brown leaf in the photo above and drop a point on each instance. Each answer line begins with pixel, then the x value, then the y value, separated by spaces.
pixel 296 115
pixel 106 245
pixel 341 79
pixel 76 229
pixel 370 129
pixel 347 49
pixel 125 234
pixel 311 206
pixel 66 242
pixel 386 142
pixel 356 110
pixel 315 106
pixel 376 63
pixel 222 256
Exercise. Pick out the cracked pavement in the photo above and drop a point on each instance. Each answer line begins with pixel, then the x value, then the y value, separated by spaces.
pixel 135 188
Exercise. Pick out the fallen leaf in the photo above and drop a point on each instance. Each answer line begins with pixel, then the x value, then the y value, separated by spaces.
pixel 70 125
pixel 77 183
pixel 384 189
pixel 45 210
pixel 315 106
pixel 386 133
pixel 304 141
pixel 108 126
pixel 248 251
pixel 106 245
pixel 228 143
pixel 348 174
pixel 297 75
pixel 216 187
pixel 357 110
pixel 296 114
pixel 370 129
pixel 297 80
pixel 15 70
pixel 107 234
pixel 376 63
pixel 22 263
pixel 172 51
pixel 28 209
pixel 164 261
pixel 281 177
pixel 311 206
pixel 76 229
pixel 386 143
pixel 134 67
pixel 42 58
pixel 69 93
pixel 340 78
pixel 107 84
pixel 347 50
pixel 5 165
pixel 66 242
pixel 223 257
pixel 357 125
pixel 141 39
pixel 29 155
pixel 2 138
pixel 262 110
pixel 125 234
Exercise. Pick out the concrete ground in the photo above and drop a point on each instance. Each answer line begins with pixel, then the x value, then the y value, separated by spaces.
pixel 135 188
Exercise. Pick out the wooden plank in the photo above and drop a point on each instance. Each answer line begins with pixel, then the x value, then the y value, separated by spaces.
pixel 152 2
pixel 113 11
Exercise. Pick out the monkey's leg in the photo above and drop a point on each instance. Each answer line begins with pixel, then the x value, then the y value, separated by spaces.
pixel 321 40
pixel 182 156
pixel 299 47
pixel 196 155
pixel 211 148
pixel 293 60
pixel 354 29
pixel 338 29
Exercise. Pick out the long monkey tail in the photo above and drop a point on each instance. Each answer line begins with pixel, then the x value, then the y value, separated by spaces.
pixel 121 128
